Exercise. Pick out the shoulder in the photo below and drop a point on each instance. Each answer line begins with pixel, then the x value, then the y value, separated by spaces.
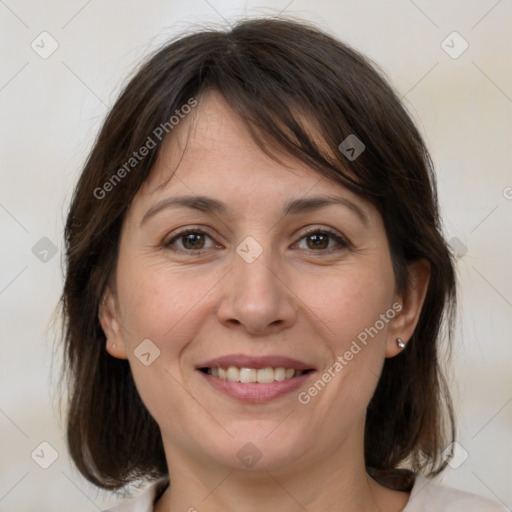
pixel 429 496
pixel 145 501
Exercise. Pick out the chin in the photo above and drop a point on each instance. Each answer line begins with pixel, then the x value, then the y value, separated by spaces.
pixel 259 449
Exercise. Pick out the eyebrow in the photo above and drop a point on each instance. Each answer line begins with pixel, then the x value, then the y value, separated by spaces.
pixel 293 207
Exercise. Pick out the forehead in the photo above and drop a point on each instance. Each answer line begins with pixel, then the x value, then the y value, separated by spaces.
pixel 214 136
pixel 211 152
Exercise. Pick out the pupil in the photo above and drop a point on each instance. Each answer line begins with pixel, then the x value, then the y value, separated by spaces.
pixel 318 238
pixel 191 240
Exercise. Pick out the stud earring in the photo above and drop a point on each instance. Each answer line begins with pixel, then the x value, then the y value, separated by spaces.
pixel 400 342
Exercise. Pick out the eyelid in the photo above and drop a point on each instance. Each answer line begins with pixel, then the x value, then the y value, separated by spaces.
pixel 190 229
pixel 342 242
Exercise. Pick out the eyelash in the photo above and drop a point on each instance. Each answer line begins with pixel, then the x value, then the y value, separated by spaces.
pixel 342 242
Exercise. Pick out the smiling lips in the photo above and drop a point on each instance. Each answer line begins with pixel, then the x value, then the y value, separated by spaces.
pixel 249 375
pixel 255 379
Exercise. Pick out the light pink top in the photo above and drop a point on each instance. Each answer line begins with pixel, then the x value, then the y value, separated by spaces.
pixel 426 496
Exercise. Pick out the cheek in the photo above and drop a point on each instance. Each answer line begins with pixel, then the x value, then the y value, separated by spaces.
pixel 348 303
pixel 156 300
pixel 165 306
pixel 165 303
pixel 168 305
pixel 347 312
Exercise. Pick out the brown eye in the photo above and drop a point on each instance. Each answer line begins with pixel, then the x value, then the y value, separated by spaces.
pixel 191 240
pixel 322 240
pixel 318 241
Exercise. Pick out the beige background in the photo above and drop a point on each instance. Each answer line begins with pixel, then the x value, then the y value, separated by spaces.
pixel 51 110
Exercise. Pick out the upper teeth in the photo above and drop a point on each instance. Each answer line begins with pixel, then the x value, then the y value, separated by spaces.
pixel 247 375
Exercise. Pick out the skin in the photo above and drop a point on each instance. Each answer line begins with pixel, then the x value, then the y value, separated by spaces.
pixel 294 299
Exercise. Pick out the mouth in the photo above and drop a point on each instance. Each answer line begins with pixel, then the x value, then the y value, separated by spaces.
pixel 255 379
pixel 253 375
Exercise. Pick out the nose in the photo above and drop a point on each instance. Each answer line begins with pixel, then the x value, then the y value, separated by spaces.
pixel 256 299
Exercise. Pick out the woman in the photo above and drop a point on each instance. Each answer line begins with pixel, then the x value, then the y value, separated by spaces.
pixel 256 286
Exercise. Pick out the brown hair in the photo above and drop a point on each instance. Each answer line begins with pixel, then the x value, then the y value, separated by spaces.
pixel 269 71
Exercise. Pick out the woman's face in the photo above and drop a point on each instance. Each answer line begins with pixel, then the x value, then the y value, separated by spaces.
pixel 280 268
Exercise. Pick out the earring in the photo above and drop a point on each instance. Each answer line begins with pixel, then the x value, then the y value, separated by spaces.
pixel 400 342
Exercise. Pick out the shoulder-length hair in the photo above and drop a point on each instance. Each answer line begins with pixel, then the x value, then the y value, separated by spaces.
pixel 280 77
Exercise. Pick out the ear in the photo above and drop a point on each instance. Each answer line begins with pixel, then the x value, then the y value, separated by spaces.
pixel 405 321
pixel 111 326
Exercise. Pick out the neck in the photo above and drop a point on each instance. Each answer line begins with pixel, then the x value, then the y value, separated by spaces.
pixel 325 482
